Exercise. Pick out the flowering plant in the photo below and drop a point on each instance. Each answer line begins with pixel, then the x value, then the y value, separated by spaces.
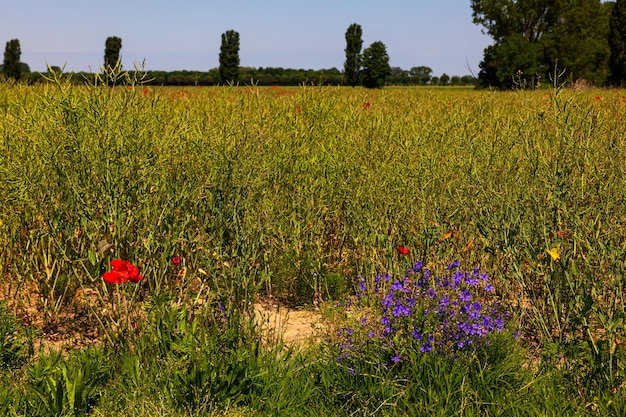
pixel 423 313
pixel 120 317
pixel 122 271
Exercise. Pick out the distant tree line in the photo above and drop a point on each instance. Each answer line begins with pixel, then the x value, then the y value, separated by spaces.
pixel 369 68
pixel 268 76
pixel 534 42
pixel 537 40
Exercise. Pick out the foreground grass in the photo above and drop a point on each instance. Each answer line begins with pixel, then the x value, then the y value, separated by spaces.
pixel 293 193
pixel 175 369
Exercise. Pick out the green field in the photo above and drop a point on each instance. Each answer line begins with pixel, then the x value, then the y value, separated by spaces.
pixel 296 195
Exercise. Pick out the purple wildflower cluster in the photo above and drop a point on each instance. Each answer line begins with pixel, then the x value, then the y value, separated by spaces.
pixel 422 312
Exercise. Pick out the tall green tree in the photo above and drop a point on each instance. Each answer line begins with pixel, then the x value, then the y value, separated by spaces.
pixel 112 48
pixel 229 57
pixel 511 61
pixel 352 65
pixel 617 43
pixel 529 19
pixel 376 67
pixel 422 74
pixel 579 42
pixel 12 53
pixel 516 26
pixel 530 36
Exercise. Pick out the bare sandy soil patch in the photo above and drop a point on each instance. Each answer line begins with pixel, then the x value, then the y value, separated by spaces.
pixel 292 326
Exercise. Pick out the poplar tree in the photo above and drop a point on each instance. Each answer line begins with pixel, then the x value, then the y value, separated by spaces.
pixel 112 48
pixel 617 43
pixel 229 57
pixel 12 53
pixel 352 66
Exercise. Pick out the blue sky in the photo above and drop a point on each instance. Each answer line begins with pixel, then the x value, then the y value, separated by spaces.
pixel 186 34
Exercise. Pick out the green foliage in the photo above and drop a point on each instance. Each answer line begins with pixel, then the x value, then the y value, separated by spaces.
pixel 15 344
pixel 11 64
pixel 490 381
pixel 262 76
pixel 112 48
pixel 513 62
pixel 530 36
pixel 421 73
pixel 580 42
pixel 617 43
pixel 229 57
pixel 527 18
pixel 352 65
pixel 67 387
pixel 376 67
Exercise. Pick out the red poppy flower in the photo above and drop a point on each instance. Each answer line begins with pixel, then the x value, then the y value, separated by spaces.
pixel 176 260
pixel 122 271
pixel 403 250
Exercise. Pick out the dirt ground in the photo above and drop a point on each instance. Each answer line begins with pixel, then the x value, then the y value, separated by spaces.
pixel 73 330
pixel 293 326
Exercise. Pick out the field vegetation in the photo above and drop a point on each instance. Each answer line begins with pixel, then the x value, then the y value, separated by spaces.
pixel 307 196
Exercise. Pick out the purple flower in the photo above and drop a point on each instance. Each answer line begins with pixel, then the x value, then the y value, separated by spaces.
pixel 454 265
pixel 441 315
pixel 416 334
pixel 396 286
pixel 471 280
pixel 445 301
pixel 430 293
pixel 342 357
pixel 362 285
pixel 402 310
pixel 499 323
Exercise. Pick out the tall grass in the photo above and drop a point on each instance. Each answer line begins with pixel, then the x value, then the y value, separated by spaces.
pixel 292 193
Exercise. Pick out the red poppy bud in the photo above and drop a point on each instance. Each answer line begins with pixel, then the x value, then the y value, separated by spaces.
pixel 176 260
